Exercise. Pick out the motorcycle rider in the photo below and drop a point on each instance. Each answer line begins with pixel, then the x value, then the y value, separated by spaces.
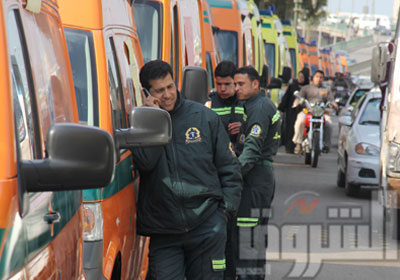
pixel 340 86
pixel 314 92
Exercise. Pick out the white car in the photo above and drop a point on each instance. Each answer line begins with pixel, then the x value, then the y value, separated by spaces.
pixel 359 145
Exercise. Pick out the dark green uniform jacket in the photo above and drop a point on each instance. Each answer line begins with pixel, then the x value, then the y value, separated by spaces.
pixel 260 133
pixel 229 110
pixel 183 183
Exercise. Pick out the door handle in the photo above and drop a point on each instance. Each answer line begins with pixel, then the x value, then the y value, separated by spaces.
pixel 52 217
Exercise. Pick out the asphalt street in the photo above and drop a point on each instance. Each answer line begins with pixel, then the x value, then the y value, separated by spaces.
pixel 317 232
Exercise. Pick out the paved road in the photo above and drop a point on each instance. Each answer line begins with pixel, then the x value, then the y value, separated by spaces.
pixel 330 235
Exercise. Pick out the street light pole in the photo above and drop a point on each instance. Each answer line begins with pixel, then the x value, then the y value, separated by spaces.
pixel 296 10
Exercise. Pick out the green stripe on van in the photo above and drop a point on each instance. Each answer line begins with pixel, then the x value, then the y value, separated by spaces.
pixel 266 25
pixel 220 4
pixel 13 256
pixel 122 177
pixel 2 231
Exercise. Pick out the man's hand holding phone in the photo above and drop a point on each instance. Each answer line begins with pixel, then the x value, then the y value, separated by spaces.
pixel 149 100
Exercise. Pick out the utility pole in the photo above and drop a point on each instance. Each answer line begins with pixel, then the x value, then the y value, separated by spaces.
pixel 296 10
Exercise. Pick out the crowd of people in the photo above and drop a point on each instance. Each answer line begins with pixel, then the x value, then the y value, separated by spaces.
pixel 215 180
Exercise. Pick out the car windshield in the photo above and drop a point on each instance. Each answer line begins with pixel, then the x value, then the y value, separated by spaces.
pixel 371 114
pixel 227 41
pixel 356 96
pixel 147 16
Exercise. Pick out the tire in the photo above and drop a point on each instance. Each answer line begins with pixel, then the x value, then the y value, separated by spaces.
pixel 341 178
pixel 315 151
pixel 307 158
pixel 116 273
pixel 350 189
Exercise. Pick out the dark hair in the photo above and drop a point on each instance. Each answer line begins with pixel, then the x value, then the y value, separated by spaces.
pixel 319 71
pixel 153 70
pixel 225 69
pixel 250 71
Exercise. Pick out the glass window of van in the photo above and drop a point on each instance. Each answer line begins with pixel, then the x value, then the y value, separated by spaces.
pixel 81 55
pixel 22 86
pixel 270 52
pixel 210 75
pixel 228 43
pixel 148 20
pixel 293 60
pixel 115 88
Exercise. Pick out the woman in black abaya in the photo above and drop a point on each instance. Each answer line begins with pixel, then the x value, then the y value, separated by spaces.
pixel 290 114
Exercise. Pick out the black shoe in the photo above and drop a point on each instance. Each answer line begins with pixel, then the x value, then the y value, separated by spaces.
pixel 325 149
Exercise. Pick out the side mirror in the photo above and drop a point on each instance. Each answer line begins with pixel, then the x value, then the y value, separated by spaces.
pixel 286 74
pixel 149 127
pixel 350 108
pixel 264 76
pixel 79 157
pixel 275 83
pixel 195 84
pixel 345 120
pixel 380 57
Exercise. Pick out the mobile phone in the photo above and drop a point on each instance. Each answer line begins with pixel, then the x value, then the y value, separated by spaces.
pixel 146 92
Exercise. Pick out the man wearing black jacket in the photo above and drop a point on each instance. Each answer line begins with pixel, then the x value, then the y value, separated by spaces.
pixel 258 143
pixel 224 101
pixel 188 188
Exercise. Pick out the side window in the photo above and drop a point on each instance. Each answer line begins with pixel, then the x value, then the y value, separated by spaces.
pixel 23 95
pixel 81 55
pixel 176 45
pixel 114 80
pixel 358 107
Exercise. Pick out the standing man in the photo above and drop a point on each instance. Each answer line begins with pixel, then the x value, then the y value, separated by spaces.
pixel 188 188
pixel 258 143
pixel 224 101
pixel 314 92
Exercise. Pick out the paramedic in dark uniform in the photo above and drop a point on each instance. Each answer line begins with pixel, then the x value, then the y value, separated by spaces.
pixel 188 188
pixel 224 102
pixel 258 143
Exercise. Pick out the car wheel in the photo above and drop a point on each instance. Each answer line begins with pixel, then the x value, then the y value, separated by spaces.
pixel 350 188
pixel 341 178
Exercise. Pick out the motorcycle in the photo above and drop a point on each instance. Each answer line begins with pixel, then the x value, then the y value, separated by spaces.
pixel 314 129
pixel 341 96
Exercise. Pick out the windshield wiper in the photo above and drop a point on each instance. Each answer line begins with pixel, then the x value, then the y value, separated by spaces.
pixel 370 122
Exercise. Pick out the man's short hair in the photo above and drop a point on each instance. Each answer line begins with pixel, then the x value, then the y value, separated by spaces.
pixel 225 69
pixel 250 71
pixel 319 71
pixel 153 70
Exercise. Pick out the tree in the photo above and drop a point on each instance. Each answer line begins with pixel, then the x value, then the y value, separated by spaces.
pixel 284 9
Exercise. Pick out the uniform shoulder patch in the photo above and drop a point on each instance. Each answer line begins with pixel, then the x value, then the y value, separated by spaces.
pixel 192 135
pixel 255 130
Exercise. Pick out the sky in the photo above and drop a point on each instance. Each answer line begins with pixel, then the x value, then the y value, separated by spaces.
pixel 382 7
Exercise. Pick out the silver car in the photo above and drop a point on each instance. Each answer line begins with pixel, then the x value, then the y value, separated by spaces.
pixel 359 145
